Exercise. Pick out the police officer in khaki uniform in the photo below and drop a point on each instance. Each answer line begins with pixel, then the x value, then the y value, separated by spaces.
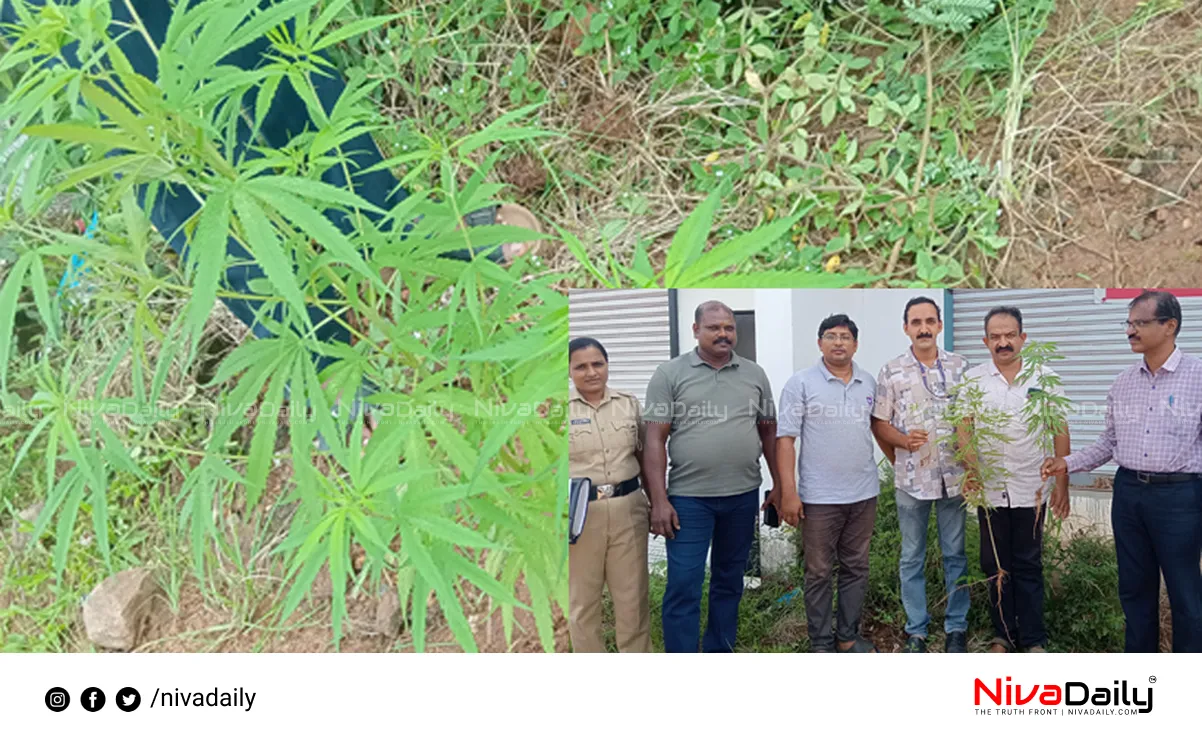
pixel 606 446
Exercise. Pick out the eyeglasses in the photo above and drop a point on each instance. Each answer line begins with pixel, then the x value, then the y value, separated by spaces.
pixel 845 337
pixel 1141 324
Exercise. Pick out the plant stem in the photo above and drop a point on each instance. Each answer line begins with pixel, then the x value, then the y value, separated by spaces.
pixel 926 143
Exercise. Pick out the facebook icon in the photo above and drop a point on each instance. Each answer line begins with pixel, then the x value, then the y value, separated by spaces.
pixel 92 699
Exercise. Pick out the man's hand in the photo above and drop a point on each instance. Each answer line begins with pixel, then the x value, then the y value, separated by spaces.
pixel 1060 506
pixel 791 510
pixel 1053 466
pixel 773 499
pixel 664 521
pixel 972 482
pixel 916 439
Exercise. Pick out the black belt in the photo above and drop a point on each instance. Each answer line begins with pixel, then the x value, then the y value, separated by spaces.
pixel 1163 478
pixel 600 492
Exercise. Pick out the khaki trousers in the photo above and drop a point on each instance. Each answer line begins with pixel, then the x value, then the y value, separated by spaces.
pixel 612 550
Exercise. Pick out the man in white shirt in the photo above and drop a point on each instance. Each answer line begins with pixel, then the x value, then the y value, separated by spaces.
pixel 1012 529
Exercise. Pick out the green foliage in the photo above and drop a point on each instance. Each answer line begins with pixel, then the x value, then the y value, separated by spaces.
pixel 978 426
pixel 797 109
pixel 1080 578
pixel 977 439
pixel 454 490
pixel 689 264
pixel 949 15
pixel 1046 413
pixel 1081 588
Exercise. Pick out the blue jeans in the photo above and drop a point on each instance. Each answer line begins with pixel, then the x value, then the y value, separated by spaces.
pixel 913 515
pixel 728 522
pixel 1158 529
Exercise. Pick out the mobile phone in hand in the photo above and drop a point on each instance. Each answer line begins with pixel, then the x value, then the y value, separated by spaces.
pixel 771 516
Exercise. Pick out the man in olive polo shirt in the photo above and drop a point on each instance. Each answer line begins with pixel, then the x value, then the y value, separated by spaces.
pixel 714 411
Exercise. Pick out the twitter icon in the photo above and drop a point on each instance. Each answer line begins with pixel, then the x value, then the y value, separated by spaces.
pixel 128 699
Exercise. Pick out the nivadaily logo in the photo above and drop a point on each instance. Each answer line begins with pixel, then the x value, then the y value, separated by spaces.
pixel 1071 697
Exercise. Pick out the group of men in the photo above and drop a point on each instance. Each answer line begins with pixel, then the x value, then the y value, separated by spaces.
pixel 711 414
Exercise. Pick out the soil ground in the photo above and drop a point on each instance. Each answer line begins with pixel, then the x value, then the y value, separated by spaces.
pixel 1113 129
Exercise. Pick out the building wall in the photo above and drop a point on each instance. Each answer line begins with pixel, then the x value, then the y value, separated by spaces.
pixel 632 325
pixel 876 312
pixel 787 323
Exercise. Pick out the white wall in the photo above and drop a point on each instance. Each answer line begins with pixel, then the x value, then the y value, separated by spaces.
pixel 688 299
pixel 876 312
pixel 786 324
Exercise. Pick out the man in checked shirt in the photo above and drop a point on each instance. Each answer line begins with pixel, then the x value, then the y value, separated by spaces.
pixel 1154 433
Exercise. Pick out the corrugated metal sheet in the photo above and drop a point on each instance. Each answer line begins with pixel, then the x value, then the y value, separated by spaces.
pixel 634 327
pixel 1087 331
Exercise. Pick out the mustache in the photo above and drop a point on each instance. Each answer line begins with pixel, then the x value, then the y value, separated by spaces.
pixel 926 335
pixel 1004 348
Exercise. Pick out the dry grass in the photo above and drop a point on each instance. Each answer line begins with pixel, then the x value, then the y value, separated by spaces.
pixel 1110 150
pixel 1109 84
pixel 1106 152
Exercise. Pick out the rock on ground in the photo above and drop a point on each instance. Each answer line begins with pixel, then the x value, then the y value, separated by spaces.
pixel 20 539
pixel 117 609
pixel 388 614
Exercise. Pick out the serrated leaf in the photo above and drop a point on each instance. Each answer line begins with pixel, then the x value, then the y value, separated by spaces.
pixel 10 291
pixel 207 254
pixel 108 139
pixel 353 29
pixel 690 239
pixel 265 245
pixel 452 610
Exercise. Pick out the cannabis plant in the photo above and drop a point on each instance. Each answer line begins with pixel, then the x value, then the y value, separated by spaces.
pixel 1046 411
pixel 978 431
pixel 459 359
pixel 978 427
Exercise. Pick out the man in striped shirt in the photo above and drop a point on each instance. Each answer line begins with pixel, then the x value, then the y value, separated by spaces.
pixel 1154 433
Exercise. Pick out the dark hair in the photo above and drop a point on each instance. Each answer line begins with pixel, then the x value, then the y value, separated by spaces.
pixel 712 304
pixel 1167 306
pixel 920 300
pixel 579 344
pixel 839 321
pixel 1004 310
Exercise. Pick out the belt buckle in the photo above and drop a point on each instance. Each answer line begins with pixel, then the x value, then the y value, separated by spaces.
pixel 1144 477
pixel 604 491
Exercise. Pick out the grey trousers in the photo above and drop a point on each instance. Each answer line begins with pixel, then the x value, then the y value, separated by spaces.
pixel 842 533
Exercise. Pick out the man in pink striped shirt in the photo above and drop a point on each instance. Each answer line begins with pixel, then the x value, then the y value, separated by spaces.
pixel 1154 433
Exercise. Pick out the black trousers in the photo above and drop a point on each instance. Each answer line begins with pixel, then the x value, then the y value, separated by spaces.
pixel 1016 601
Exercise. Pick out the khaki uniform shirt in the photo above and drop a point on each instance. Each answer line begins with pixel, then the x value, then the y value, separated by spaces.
pixel 603 440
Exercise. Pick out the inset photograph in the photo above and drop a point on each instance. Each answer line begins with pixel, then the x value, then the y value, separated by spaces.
pixel 886 470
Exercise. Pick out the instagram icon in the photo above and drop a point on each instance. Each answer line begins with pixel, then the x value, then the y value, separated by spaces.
pixel 57 699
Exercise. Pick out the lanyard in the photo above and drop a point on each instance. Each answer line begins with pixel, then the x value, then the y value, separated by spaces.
pixel 925 382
